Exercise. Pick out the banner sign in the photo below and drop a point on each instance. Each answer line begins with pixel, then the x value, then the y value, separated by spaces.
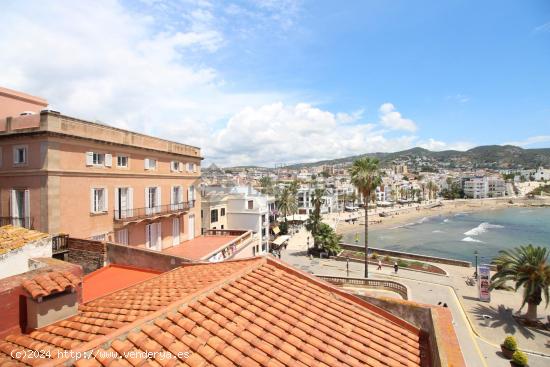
pixel 483 282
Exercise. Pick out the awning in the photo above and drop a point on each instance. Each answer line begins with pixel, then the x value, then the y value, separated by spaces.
pixel 280 240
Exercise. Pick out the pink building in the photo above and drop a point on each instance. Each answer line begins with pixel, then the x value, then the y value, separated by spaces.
pixel 59 174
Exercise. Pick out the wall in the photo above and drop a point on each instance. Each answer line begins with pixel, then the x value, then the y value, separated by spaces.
pixel 407 255
pixel 13 297
pixel 17 261
pixel 91 255
pixel 12 103
pixel 142 258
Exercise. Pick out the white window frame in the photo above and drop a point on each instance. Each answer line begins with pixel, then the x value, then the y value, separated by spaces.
pixel 149 166
pixel 174 166
pixel 16 149
pixel 119 156
pixel 94 208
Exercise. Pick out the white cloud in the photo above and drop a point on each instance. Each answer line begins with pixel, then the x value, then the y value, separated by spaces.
pixel 437 145
pixel 461 98
pixel 532 140
pixel 542 28
pixel 392 119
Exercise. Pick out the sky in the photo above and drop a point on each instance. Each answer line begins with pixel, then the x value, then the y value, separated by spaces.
pixel 255 82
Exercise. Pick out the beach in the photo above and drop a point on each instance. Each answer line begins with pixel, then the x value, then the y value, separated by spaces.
pixel 406 214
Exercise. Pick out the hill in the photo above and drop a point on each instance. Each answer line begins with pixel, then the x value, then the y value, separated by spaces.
pixel 488 156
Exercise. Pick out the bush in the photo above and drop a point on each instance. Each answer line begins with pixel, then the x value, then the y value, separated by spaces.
pixel 510 343
pixel 520 358
pixel 374 255
pixel 402 263
pixel 387 259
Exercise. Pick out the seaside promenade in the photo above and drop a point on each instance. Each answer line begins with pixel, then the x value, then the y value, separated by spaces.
pixel 480 326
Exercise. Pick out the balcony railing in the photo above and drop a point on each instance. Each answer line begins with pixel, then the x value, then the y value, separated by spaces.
pixel 387 285
pixel 25 222
pixel 60 244
pixel 142 213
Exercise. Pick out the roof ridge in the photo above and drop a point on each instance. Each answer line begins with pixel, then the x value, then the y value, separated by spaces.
pixel 108 338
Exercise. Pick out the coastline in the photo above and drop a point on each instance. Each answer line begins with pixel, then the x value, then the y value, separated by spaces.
pixel 408 214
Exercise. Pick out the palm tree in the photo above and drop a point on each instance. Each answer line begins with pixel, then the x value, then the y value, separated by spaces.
pixel 528 267
pixel 287 203
pixel 431 186
pixel 314 219
pixel 365 176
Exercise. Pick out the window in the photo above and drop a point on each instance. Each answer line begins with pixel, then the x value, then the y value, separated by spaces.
pixel 99 159
pixel 121 236
pixel 99 200
pixel 214 216
pixel 20 208
pixel 221 227
pixel 222 212
pixel 190 167
pixel 122 161
pixel 177 198
pixel 153 236
pixel 152 200
pixel 175 166
pixel 20 154
pixel 99 237
pixel 150 163
pixel 250 204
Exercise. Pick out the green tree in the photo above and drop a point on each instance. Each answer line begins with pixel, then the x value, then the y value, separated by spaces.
pixel 327 239
pixel 266 184
pixel 287 203
pixel 527 267
pixel 314 221
pixel 365 176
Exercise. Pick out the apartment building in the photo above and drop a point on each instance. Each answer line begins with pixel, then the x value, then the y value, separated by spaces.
pixel 239 208
pixel 481 187
pixel 59 174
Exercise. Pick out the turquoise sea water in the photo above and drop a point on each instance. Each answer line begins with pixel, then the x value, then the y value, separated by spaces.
pixel 457 236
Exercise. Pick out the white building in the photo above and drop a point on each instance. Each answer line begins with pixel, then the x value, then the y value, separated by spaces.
pixel 484 187
pixel 542 174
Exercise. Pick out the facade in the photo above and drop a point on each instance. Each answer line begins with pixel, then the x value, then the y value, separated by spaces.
pixel 542 174
pixel 484 187
pixel 238 208
pixel 59 174
pixel 13 103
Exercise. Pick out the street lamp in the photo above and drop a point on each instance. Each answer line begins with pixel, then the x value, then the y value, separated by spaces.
pixel 347 265
pixel 475 273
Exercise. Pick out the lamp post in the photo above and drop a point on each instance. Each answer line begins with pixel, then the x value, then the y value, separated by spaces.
pixel 475 273
pixel 347 266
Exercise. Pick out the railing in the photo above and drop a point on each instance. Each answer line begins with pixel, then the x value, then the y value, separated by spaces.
pixel 387 285
pixel 140 213
pixel 25 222
pixel 233 247
pixel 60 244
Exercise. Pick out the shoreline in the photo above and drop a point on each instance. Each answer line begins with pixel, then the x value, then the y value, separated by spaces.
pixel 403 215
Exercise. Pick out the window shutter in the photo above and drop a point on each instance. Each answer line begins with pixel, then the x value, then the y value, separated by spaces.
pixel 130 202
pixel 194 167
pixel 147 235
pixel 159 197
pixel 180 199
pixel 89 158
pixel 147 210
pixel 180 166
pixel 28 205
pixel 106 200
pixel 172 197
pixel 108 160
pixel 117 205
pixel 91 200
pixel 159 236
pixel 146 163
pixel 14 207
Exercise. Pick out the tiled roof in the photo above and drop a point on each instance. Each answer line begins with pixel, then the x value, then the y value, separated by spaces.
pixel 51 283
pixel 240 313
pixel 12 238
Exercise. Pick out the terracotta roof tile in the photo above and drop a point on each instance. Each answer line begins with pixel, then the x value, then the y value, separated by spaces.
pixel 12 238
pixel 267 316
pixel 50 283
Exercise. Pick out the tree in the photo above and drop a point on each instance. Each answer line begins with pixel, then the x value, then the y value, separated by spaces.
pixel 266 184
pixel 287 203
pixel 365 176
pixel 527 267
pixel 314 221
pixel 327 239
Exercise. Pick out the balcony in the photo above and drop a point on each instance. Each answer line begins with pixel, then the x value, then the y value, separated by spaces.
pixel 25 222
pixel 138 214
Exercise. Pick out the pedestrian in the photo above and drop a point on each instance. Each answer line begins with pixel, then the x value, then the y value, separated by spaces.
pixel 379 264
pixel 279 253
pixel 395 267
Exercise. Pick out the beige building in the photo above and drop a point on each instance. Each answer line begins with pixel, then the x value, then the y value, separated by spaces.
pixel 59 174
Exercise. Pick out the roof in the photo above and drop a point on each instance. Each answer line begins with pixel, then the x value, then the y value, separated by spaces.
pixel 200 247
pixel 50 283
pixel 238 313
pixel 113 278
pixel 12 237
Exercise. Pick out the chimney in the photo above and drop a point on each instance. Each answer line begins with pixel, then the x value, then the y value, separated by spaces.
pixel 51 297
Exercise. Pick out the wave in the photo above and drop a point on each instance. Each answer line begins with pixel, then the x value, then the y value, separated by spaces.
pixel 470 239
pixel 461 214
pixel 424 219
pixel 446 220
pixel 482 228
pixel 438 231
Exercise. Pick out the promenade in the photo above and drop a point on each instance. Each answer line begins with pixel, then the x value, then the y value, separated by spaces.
pixel 480 326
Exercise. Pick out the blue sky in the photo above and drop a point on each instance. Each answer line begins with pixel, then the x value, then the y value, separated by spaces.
pixel 264 82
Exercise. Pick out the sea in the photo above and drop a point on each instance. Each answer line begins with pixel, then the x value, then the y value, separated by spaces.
pixel 457 236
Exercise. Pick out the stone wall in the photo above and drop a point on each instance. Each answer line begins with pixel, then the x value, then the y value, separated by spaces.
pixel 407 255
pixel 91 255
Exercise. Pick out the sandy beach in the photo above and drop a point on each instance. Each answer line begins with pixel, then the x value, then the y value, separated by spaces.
pixel 407 214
